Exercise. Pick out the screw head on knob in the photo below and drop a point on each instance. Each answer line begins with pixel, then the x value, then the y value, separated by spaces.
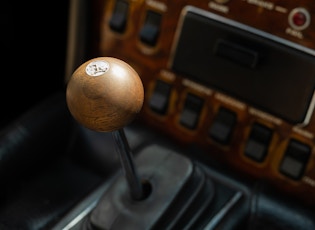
pixel 104 94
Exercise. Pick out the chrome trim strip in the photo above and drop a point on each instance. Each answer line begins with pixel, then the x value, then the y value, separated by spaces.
pixel 216 219
pixel 72 219
pixel 80 217
pixel 76 36
pixel 309 112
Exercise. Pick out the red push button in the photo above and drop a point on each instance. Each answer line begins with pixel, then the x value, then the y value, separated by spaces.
pixel 299 18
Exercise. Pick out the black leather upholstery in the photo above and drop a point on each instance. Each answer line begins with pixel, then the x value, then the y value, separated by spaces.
pixel 39 178
pixel 275 211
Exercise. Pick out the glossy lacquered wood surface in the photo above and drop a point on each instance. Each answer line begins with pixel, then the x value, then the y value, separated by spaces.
pixel 105 94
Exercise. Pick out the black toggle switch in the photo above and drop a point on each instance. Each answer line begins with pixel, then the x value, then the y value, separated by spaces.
pixel 119 17
pixel 191 111
pixel 295 159
pixel 258 142
pixel 223 125
pixel 160 98
pixel 150 31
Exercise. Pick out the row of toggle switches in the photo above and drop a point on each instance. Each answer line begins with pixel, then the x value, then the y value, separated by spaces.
pixel 294 160
pixel 150 29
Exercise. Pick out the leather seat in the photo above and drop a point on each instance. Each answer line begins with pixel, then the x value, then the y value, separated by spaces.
pixel 40 178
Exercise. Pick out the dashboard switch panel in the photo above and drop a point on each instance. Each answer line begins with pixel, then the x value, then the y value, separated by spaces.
pixel 218 79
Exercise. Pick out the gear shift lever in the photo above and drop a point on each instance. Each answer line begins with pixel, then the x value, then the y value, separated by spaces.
pixel 105 94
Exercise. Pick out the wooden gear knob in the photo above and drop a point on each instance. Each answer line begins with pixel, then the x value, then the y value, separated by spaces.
pixel 104 94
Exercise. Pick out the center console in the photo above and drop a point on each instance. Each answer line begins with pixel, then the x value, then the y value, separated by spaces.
pixel 234 77
pixel 229 81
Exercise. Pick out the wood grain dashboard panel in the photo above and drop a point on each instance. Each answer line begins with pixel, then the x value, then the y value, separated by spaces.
pixel 245 137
